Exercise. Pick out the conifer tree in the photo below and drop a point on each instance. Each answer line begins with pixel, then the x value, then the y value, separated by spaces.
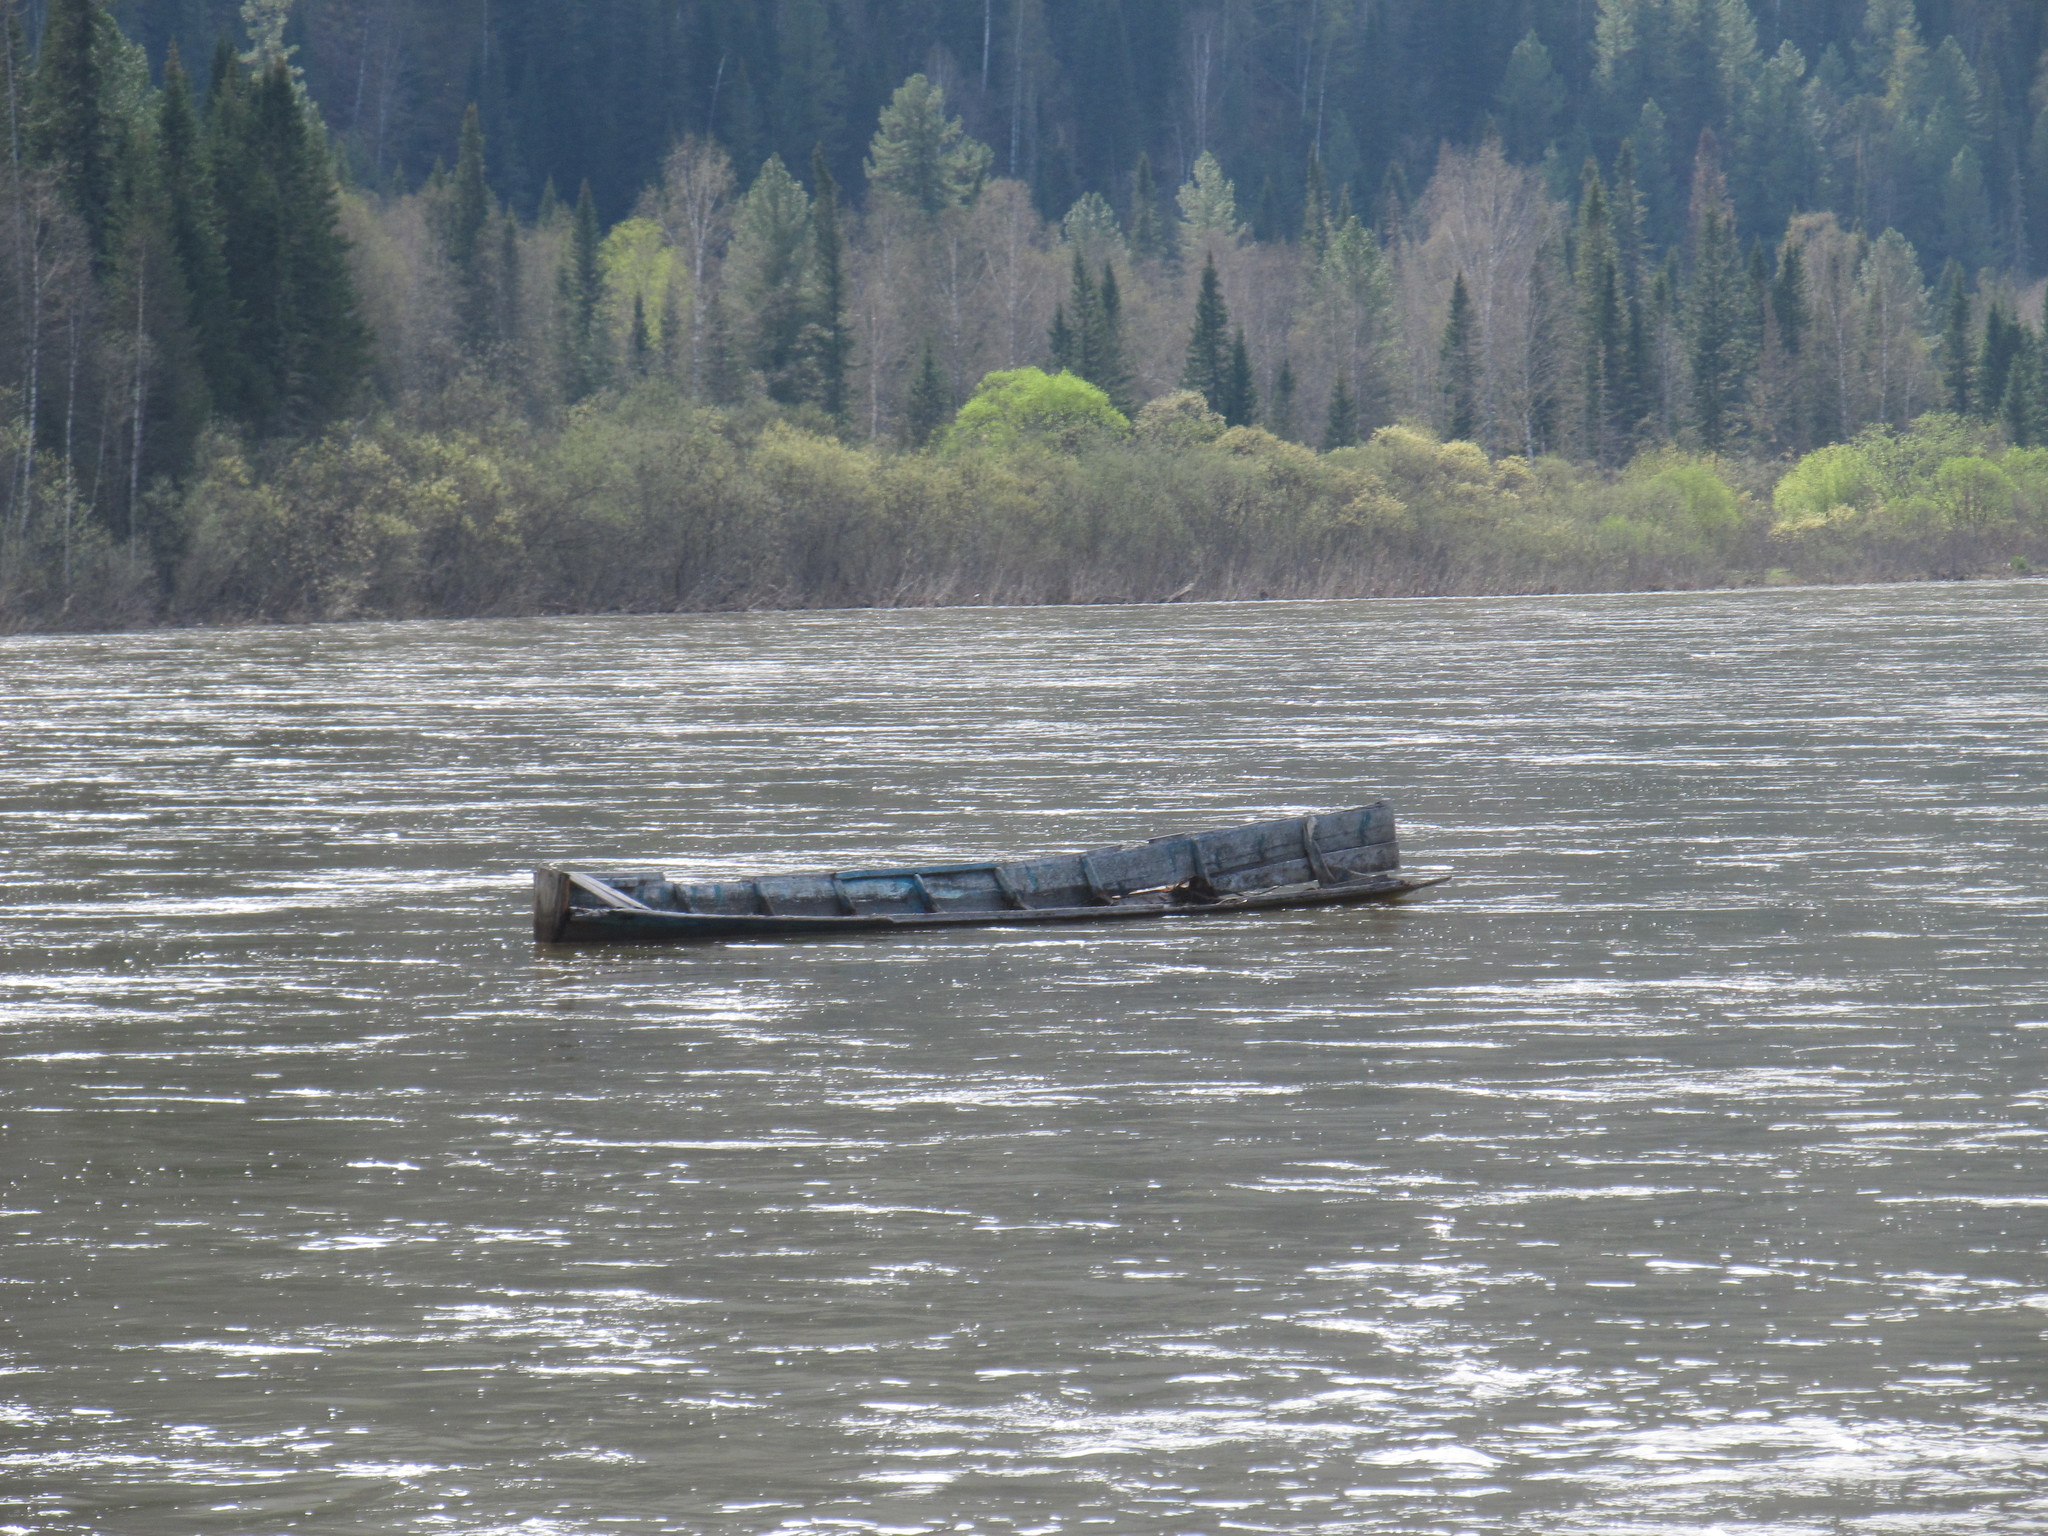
pixel 1341 430
pixel 770 271
pixel 1147 234
pixel 1788 296
pixel 1087 332
pixel 1280 419
pixel 1955 340
pixel 725 375
pixel 639 349
pixel 1458 366
pixel 1060 341
pixel 1315 208
pixel 1207 369
pixel 1603 326
pixel 1391 216
pixel 1266 212
pixel 2021 407
pixel 155 401
pixel 1112 372
pixel 1625 223
pixel 304 348
pixel 508 279
pixel 2002 337
pixel 922 157
pixel 1074 322
pixel 1716 308
pixel 1240 392
pixel 831 344
pixel 468 215
pixel 581 286
pixel 930 401
pixel 192 223
pixel 68 125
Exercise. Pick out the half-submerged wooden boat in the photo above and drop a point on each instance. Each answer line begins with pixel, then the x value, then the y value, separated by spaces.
pixel 1306 861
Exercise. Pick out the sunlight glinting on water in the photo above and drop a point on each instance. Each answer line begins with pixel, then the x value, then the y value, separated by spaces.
pixel 1681 1165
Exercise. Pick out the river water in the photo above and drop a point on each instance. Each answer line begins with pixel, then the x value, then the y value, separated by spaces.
pixel 1680 1165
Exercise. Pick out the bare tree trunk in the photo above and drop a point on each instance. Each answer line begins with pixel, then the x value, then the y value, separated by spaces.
pixel 136 403
pixel 70 465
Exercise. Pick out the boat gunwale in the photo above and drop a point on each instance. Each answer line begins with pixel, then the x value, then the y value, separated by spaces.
pixel 654 926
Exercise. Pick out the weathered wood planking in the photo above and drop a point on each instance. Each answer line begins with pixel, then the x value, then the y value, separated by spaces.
pixel 1299 861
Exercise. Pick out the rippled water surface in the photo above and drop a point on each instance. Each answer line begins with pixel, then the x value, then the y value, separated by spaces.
pixel 1681 1165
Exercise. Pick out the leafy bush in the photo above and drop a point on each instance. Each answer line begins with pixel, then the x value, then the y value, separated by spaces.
pixel 1021 405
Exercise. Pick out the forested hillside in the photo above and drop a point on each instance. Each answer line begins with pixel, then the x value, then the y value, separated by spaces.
pixel 389 306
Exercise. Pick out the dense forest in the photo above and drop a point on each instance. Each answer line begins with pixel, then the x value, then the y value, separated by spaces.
pixel 388 307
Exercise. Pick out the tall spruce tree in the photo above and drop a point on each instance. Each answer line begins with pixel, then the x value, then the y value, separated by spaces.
pixel 1315 208
pixel 1112 370
pixel 1458 366
pixel 920 156
pixel 1717 307
pixel 1340 430
pixel 1240 402
pixel 192 223
pixel 1280 418
pixel 1072 321
pixel 1603 327
pixel 827 339
pixel 580 284
pixel 1087 332
pixel 1955 340
pixel 2002 339
pixel 305 349
pixel 1147 238
pixel 154 397
pixel 69 126
pixel 769 270
pixel 1207 370
pixel 930 402
pixel 467 217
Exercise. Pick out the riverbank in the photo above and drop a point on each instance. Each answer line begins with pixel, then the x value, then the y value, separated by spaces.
pixel 645 503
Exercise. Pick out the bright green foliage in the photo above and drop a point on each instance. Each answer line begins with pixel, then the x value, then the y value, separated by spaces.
pixel 1825 485
pixel 1973 492
pixel 637 273
pixel 920 156
pixel 1019 406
